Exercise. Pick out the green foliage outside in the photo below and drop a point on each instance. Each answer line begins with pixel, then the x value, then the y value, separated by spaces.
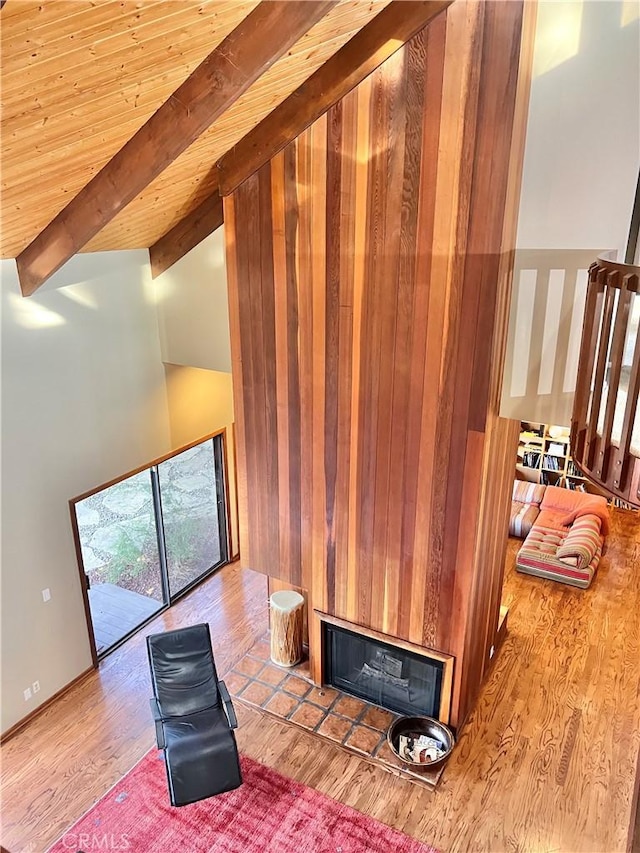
pixel 129 558
pixel 135 550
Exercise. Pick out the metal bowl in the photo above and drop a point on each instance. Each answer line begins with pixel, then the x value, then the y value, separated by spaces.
pixel 421 726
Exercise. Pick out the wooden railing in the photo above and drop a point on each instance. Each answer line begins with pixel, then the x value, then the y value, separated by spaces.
pixel 605 425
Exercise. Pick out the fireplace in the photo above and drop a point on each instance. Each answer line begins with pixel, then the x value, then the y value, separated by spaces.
pixel 380 672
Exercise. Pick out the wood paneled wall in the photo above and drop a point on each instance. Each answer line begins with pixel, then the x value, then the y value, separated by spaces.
pixel 369 271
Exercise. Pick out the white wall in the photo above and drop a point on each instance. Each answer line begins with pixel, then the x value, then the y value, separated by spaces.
pixel 583 134
pixel 193 310
pixel 200 402
pixel 580 171
pixel 193 315
pixel 83 400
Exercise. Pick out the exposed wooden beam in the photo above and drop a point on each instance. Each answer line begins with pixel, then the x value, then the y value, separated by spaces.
pixel 369 48
pixel 388 31
pixel 246 53
pixel 184 236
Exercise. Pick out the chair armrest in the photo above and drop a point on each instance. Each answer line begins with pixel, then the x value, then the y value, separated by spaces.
pixel 228 707
pixel 157 717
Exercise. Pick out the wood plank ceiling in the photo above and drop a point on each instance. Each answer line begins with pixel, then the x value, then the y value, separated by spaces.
pixel 80 77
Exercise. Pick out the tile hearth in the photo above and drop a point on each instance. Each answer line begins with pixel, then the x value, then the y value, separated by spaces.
pixel 291 695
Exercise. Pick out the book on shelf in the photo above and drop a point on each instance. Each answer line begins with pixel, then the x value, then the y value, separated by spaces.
pixel 544 453
pixel 552 463
pixel 531 458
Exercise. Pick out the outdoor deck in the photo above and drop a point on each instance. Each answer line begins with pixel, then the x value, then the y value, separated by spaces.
pixel 116 611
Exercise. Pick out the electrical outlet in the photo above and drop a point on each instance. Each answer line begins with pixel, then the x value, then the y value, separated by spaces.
pixel 27 694
pixel 36 686
pixel 46 594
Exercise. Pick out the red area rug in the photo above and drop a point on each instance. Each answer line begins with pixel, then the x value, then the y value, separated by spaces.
pixel 267 814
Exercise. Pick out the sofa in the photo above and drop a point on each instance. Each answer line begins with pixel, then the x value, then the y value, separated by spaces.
pixel 566 533
pixel 525 507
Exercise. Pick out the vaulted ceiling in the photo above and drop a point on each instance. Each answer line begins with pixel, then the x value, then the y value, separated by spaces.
pixel 124 122
pixel 80 77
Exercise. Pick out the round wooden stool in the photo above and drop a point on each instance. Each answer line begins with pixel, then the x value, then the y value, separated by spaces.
pixel 287 613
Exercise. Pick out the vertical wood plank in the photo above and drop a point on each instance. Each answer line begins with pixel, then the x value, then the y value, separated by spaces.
pixel 598 381
pixel 317 154
pixel 361 203
pixel 281 362
pixel 614 371
pixel 294 454
pixel 384 613
pixel 332 355
pixel 590 329
pixel 400 522
pixel 346 273
pixel 301 260
pixel 270 490
pixel 368 355
pixel 248 302
pixel 428 318
pixel 382 280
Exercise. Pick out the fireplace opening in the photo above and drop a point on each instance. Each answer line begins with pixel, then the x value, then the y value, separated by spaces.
pixel 380 673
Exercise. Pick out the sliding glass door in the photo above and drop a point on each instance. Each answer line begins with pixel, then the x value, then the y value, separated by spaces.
pixel 120 556
pixel 149 537
pixel 192 498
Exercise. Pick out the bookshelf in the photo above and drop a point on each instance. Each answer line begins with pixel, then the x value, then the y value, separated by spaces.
pixel 544 457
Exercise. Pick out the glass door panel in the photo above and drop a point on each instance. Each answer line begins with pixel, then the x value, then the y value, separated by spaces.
pixel 120 558
pixel 192 492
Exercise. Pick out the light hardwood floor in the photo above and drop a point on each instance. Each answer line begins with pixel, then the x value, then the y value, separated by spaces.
pixel 547 762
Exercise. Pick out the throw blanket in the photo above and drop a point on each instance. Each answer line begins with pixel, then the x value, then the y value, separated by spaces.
pixel 590 507
pixel 581 542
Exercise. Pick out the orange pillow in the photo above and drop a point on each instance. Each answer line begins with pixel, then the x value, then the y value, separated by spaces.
pixel 594 507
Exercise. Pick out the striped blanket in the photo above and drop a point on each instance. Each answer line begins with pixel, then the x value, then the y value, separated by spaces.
pixel 571 556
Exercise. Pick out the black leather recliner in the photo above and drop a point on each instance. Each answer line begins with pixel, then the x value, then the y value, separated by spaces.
pixel 193 714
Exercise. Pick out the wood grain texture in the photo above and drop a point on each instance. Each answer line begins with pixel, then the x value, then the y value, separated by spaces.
pixel 386 33
pixel 229 70
pixel 548 761
pixel 274 585
pixel 380 237
pixel 79 79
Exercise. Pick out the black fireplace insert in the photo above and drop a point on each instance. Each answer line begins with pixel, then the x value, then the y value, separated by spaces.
pixel 380 673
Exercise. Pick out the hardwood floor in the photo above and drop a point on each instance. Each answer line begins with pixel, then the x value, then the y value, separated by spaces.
pixel 547 762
